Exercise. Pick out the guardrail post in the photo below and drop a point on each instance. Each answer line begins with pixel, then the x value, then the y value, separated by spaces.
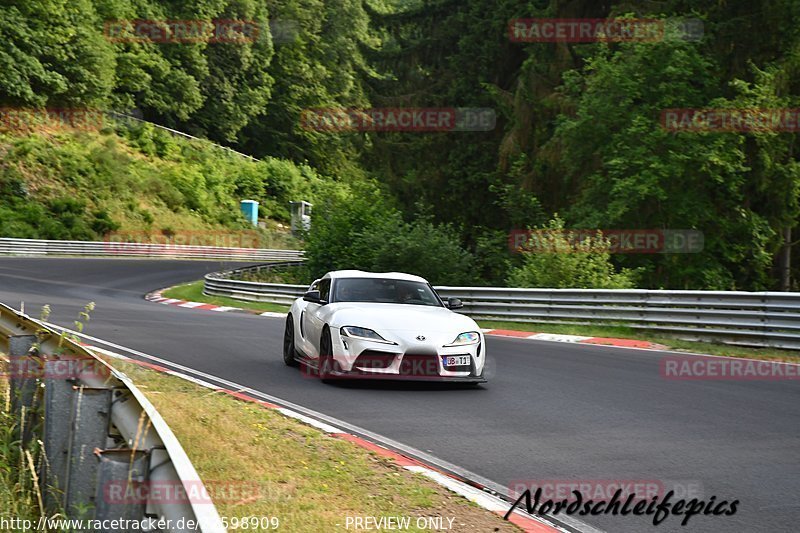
pixel 120 476
pixel 58 398
pixel 23 370
pixel 88 430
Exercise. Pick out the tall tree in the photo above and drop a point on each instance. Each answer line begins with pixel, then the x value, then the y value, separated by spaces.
pixel 52 53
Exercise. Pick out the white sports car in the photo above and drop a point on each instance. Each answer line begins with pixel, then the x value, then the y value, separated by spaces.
pixel 354 324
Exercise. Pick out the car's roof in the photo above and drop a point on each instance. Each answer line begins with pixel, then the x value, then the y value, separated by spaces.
pixel 338 274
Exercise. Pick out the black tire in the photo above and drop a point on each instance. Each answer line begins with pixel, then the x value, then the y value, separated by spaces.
pixel 326 361
pixel 289 353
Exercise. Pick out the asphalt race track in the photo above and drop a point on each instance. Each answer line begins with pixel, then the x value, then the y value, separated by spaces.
pixel 550 411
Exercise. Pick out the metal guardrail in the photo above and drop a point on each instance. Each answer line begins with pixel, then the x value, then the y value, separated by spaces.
pixel 99 434
pixel 749 318
pixel 765 319
pixel 224 284
pixel 34 247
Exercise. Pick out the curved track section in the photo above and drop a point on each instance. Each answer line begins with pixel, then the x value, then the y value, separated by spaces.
pixel 550 411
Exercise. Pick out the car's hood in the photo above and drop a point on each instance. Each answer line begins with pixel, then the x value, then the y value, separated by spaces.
pixel 402 319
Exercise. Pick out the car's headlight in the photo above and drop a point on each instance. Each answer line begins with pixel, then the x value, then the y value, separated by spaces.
pixel 470 337
pixel 363 333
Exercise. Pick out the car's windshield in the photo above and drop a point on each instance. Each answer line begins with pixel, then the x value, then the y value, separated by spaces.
pixel 378 290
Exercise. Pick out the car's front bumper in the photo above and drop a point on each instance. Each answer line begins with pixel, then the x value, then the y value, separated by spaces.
pixel 409 361
pixel 337 374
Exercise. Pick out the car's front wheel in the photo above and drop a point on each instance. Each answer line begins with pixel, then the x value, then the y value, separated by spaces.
pixel 289 352
pixel 326 361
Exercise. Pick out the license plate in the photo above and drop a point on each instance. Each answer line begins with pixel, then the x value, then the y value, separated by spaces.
pixel 456 360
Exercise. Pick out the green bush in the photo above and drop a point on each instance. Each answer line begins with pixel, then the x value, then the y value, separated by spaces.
pixel 356 228
pixel 557 263
pixel 61 218
pixel 102 223
pixel 492 257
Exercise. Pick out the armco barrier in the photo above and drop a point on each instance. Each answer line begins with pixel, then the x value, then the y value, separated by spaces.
pixel 97 430
pixel 226 284
pixel 32 247
pixel 769 319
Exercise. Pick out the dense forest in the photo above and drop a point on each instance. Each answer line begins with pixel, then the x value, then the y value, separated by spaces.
pixel 578 140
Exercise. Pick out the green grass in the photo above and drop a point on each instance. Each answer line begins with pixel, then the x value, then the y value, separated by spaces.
pixel 193 292
pixel 18 497
pixel 767 354
pixel 308 479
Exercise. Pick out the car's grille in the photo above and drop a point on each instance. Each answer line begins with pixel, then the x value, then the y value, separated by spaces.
pixel 370 359
pixel 419 365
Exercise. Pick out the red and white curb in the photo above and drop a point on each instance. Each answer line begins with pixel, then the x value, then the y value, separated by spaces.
pixel 156 296
pixel 577 339
pixel 472 491
pixel 551 337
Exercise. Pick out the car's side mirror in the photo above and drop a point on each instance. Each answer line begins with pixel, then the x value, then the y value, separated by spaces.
pixel 454 303
pixel 312 296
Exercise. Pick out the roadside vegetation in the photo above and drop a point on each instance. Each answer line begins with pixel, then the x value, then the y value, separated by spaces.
pixel 19 497
pixel 132 181
pixel 582 265
pixel 292 275
pixel 292 471
pixel 437 204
